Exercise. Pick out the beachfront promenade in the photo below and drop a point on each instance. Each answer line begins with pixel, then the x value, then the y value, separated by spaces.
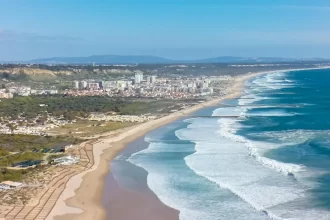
pixel 50 194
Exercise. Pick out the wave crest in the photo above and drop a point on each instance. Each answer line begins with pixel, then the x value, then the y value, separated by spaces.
pixel 284 168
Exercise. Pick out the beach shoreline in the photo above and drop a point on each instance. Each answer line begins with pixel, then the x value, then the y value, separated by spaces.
pixel 126 187
pixel 82 196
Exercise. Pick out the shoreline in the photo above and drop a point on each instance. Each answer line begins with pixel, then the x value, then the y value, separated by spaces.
pixel 82 196
pixel 126 188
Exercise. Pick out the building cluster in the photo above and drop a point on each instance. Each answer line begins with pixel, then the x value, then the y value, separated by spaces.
pixel 148 86
pixel 108 85
pixel 138 79
pixel 138 86
pixel 120 118
pixel 36 129
pixel 100 85
pixel 26 91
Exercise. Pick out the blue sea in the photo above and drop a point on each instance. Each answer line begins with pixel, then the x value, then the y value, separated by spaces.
pixel 271 161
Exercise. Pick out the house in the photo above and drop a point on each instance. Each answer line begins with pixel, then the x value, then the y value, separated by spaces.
pixel 9 185
pixel 4 186
pixel 66 160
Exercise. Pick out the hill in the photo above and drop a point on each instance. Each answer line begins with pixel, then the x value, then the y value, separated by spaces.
pixel 117 59
pixel 103 59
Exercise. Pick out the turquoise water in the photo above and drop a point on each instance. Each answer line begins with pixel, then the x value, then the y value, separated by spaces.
pixel 272 162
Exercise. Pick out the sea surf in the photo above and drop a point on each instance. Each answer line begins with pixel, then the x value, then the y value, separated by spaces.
pixel 268 160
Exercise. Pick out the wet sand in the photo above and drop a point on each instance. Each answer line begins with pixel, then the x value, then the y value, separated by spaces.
pixel 126 186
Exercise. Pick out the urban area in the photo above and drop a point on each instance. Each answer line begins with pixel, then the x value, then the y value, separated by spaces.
pixel 47 124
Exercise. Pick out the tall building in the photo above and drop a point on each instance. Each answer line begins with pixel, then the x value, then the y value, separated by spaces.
pixel 101 84
pixel 93 86
pixel 138 78
pixel 153 79
pixel 75 84
pixel 148 79
pixel 82 85
pixel 204 85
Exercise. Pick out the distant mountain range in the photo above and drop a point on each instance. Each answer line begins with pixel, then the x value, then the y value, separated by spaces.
pixel 117 59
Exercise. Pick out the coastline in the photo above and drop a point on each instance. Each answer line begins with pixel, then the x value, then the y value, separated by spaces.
pixel 126 188
pixel 81 198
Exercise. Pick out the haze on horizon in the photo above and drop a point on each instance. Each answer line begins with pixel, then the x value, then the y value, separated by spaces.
pixel 175 29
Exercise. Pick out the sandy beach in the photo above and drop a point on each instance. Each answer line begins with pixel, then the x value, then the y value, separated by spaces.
pixel 126 186
pixel 82 196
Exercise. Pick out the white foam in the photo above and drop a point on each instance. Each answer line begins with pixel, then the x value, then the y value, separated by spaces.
pixel 180 188
pixel 268 113
pixel 228 131
pixel 272 81
pixel 233 163
pixel 249 99
pixel 228 111
pixel 228 164
pixel 236 164
pixel 294 136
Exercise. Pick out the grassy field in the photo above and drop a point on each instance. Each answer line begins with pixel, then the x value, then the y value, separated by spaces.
pixel 71 107
pixel 19 157
pixel 12 175
pixel 85 128
pixel 23 143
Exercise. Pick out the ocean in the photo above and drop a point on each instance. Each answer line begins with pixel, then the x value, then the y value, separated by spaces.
pixel 265 155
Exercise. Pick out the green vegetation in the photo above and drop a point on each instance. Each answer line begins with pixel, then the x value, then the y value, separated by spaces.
pixel 19 157
pixel 85 128
pixel 14 77
pixel 58 105
pixel 71 107
pixel 12 175
pixel 22 143
pixel 139 107
pixel 42 77
pixel 3 152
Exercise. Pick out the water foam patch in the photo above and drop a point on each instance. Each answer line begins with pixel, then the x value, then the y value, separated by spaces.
pixel 228 130
pixel 269 113
pixel 228 164
pixel 272 81
pixel 179 187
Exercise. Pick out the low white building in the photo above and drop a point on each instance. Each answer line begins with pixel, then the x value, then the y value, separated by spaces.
pixel 9 185
pixel 66 160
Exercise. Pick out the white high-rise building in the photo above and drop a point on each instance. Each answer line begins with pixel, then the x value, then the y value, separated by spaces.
pixel 93 86
pixel 82 85
pixel 138 78
pixel 204 85
pixel 148 79
pixel 75 84
pixel 153 79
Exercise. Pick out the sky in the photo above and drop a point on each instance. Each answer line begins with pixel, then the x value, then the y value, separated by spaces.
pixel 176 29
